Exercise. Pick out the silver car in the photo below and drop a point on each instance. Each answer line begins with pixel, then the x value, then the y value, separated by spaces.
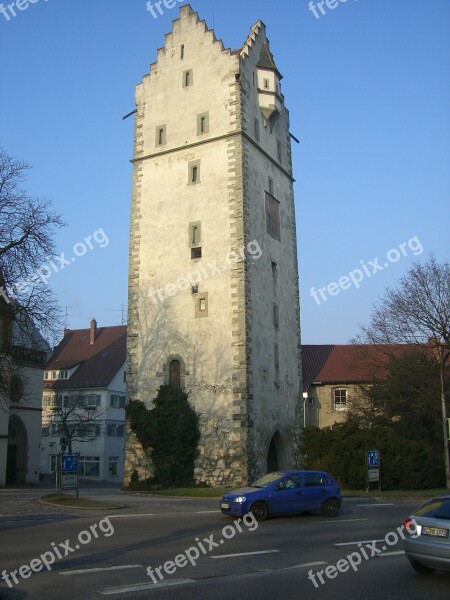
pixel 428 546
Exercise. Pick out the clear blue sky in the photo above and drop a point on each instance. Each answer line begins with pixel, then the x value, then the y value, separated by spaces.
pixel 368 88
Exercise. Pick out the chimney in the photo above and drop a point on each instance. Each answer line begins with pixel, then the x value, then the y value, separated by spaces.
pixel 92 332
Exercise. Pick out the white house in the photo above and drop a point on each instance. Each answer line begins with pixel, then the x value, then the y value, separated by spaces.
pixel 84 402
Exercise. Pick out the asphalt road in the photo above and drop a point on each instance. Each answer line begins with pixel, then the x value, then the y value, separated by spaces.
pixel 281 557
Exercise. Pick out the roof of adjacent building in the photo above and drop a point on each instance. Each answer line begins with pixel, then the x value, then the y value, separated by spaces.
pixel 352 363
pixel 98 362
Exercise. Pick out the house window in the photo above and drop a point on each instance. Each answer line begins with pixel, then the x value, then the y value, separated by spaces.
pixel 116 401
pixel 88 430
pixel 194 172
pixel 271 186
pixel 115 430
pixel 160 138
pixel 256 130
pixel 113 462
pixel 47 375
pixel 275 316
pixel 54 374
pixel 187 78
pixel 201 305
pixel 89 466
pixel 175 374
pixel 203 123
pixel 91 400
pixel 273 217
pixel 340 399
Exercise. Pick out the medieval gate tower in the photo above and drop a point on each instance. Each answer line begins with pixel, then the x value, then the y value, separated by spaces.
pixel 213 281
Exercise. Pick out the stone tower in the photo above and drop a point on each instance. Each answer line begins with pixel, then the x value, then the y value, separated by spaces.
pixel 213 281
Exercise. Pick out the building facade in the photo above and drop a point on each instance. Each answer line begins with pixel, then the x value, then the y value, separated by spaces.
pixel 23 353
pixel 213 280
pixel 84 402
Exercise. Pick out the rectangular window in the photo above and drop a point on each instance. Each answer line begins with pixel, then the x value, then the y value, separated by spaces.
pixel 194 172
pixel 89 466
pixel 276 360
pixel 266 84
pixel 46 375
pixel 195 234
pixel 274 272
pixel 115 430
pixel 203 123
pixel 273 217
pixel 188 78
pixel 275 316
pixel 116 401
pixel 182 52
pixel 340 399
pixel 160 138
pixel 256 130
pixel 271 188
pixel 196 253
pixel 201 305
pixel 112 466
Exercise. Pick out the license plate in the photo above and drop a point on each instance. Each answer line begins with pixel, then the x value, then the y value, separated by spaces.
pixel 435 531
pixel 224 505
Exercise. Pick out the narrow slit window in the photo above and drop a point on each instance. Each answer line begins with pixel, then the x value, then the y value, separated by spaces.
pixel 256 130
pixel 203 123
pixel 182 52
pixel 194 172
pixel 187 78
pixel 266 84
pixel 160 138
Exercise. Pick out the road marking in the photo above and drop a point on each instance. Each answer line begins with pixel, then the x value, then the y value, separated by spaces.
pixel 137 587
pixel 96 570
pixel 305 565
pixel 358 542
pixel 339 521
pixel 391 553
pixel 376 504
pixel 205 512
pixel 128 516
pixel 244 554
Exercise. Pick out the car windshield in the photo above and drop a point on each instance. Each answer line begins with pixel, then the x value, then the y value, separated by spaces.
pixel 438 508
pixel 267 480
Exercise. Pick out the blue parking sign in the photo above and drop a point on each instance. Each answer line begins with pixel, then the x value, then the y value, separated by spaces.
pixel 69 463
pixel 373 459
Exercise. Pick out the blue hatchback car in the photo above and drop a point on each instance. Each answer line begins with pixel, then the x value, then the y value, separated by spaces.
pixel 285 492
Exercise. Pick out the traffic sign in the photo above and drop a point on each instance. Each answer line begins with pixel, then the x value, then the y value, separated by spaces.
pixel 373 459
pixel 69 463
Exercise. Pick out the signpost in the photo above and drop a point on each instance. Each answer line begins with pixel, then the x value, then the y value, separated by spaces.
pixel 373 468
pixel 68 477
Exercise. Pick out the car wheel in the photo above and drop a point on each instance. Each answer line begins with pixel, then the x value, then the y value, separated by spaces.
pixel 260 511
pixel 330 507
pixel 422 568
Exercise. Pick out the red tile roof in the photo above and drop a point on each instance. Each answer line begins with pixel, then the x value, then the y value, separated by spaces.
pixel 98 362
pixel 353 363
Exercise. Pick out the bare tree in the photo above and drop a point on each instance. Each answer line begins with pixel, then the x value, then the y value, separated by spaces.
pixel 418 312
pixel 74 417
pixel 28 309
